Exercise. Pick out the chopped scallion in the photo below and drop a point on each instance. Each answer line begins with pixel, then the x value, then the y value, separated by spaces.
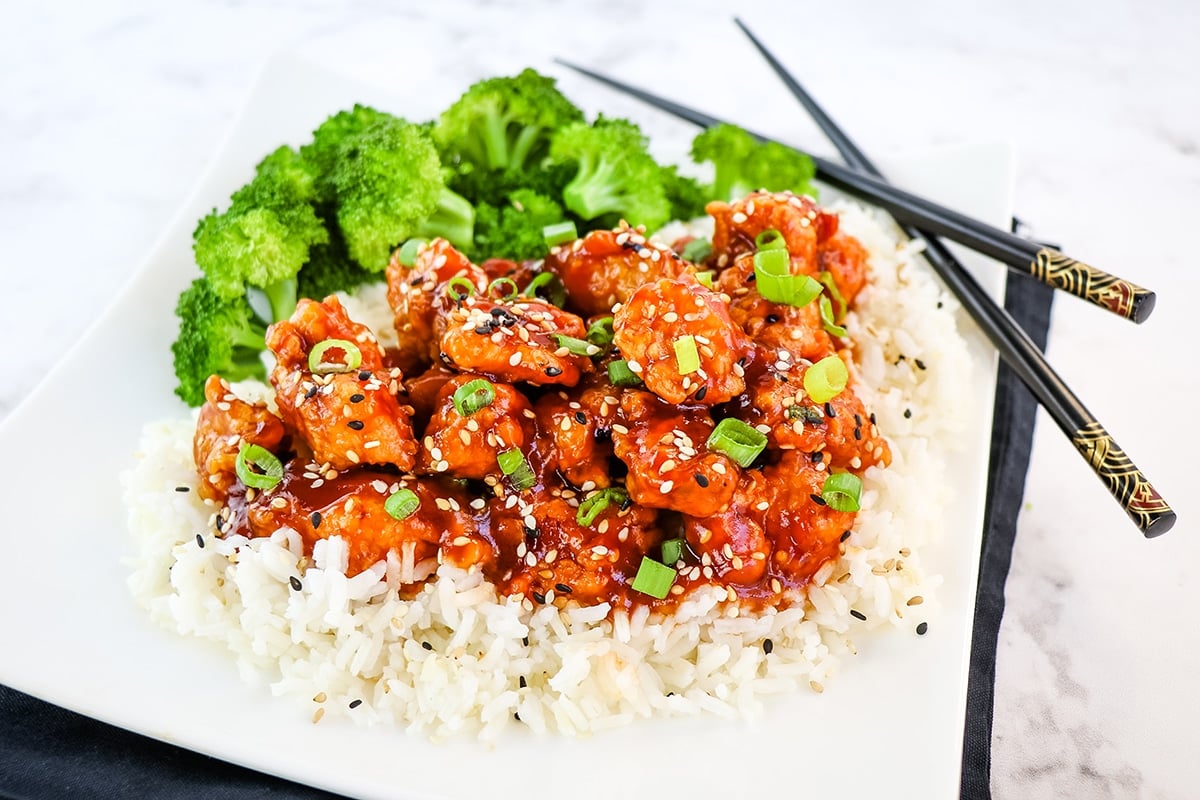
pixel 473 395
pixel 594 505
pixel 559 232
pixel 460 288
pixel 831 327
pixel 402 503
pixel 506 285
pixel 351 357
pixel 408 252
pixel 705 278
pixel 554 291
pixel 697 250
pixel 737 440
pixel 257 467
pixel 576 346
pixel 653 578
pixel 773 278
pixel 842 491
pixel 687 357
pixel 831 288
pixel 672 550
pixel 514 466
pixel 826 379
pixel 600 332
pixel 619 374
pixel 770 239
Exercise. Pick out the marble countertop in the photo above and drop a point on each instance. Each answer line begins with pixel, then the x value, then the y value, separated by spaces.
pixel 110 111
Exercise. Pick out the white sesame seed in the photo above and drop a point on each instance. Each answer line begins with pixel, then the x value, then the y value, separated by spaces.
pixel 514 359
pixel 666 487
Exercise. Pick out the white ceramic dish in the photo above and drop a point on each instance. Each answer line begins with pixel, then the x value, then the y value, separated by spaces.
pixel 890 722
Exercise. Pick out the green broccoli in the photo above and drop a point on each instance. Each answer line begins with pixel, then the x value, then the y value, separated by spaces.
pixel 493 187
pixel 616 174
pixel 505 123
pixel 743 164
pixel 264 237
pixel 686 195
pixel 216 336
pixel 322 154
pixel 514 230
pixel 330 269
pixel 388 187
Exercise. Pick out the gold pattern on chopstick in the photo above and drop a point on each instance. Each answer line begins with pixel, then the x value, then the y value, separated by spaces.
pixel 1062 272
pixel 1139 499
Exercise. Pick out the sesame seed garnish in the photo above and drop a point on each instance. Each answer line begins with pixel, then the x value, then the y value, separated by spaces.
pixel 356 424
pixel 768 646
pixel 922 628
pixel 701 480
pixel 357 398
pixel 182 489
pixel 295 582
pixel 427 645
pixel 666 487
pixel 316 519
pixel 857 614
pixel 355 703
pixel 816 498
pixel 908 413
pixel 553 371
pixel 200 541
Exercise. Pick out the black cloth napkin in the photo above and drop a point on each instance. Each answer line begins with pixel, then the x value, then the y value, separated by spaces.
pixel 49 752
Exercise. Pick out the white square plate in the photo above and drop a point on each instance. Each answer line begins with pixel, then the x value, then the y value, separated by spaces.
pixel 891 721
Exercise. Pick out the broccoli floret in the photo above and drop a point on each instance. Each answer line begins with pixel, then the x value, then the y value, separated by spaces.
pixel 514 230
pixel 505 123
pixel 216 336
pixel 616 174
pixel 388 187
pixel 321 156
pixel 264 237
pixel 330 269
pixel 686 195
pixel 742 164
pixel 493 187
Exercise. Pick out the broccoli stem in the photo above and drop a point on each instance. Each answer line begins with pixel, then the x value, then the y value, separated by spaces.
pixel 453 220
pixel 528 138
pixel 593 192
pixel 495 139
pixel 282 297
pixel 254 338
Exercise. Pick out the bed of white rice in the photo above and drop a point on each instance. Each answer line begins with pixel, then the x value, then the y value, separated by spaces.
pixel 451 661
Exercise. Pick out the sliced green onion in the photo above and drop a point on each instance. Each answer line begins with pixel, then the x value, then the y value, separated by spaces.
pixel 826 379
pixel 619 374
pixel 705 278
pixel 555 292
pixel 686 355
pixel 672 550
pixel 558 233
pixel 600 332
pixel 577 346
pixel 353 357
pixel 737 440
pixel 500 283
pixel 842 491
pixel 463 283
pixel 772 275
pixel 514 466
pixel 770 239
pixel 258 467
pixel 472 396
pixel 697 250
pixel 827 317
pixel 402 503
pixel 831 287
pixel 408 252
pixel 653 578
pixel 599 500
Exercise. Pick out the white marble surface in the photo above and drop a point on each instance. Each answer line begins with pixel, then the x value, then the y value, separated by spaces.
pixel 109 112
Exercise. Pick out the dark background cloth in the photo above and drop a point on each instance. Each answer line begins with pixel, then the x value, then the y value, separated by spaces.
pixel 49 752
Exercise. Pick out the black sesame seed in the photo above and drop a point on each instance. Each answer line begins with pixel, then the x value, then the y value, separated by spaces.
pixel 701 392
pixel 357 398
pixel 355 703
pixel 525 641
pixel 857 614
pixel 553 371
pixel 670 694
pixel 816 498
pixel 817 457
pixel 416 281
pixel 427 645
pixel 858 434
pixel 521 680
pixel 580 417
pixel 908 413
pixel 829 412
pixel 858 420
pixel 562 588
pixel 768 646
pixel 924 626
pixel 531 534
pixel 356 424
pixel 920 364
pixel 182 489
pixel 199 541
pixel 311 393
pixel 316 519
pixel 872 418
pixel 484 330
pixel 939 305
pixel 703 481
pixel 538 596
pixel 846 535
pixel 295 582
pixel 751 278
pixel 772 318
pixel 516 716
pixel 364 375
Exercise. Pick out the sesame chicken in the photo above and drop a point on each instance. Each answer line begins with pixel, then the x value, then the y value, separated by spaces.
pixel 465 446
pixel 225 423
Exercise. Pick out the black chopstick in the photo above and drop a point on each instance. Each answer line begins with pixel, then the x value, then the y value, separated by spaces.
pixel 1135 494
pixel 1047 265
pixel 1141 502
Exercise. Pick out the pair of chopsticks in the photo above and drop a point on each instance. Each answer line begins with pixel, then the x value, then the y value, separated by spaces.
pixel 921 218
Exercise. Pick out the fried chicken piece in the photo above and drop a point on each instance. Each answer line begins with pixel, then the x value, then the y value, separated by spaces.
pixel 226 422
pixel 773 325
pixel 413 294
pixel 606 267
pixel 512 341
pixel 577 425
pixel 802 225
pixel 670 465
pixel 466 446
pixel 649 328
pixel 346 417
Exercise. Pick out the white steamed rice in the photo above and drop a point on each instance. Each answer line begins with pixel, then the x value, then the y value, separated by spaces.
pixel 450 662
